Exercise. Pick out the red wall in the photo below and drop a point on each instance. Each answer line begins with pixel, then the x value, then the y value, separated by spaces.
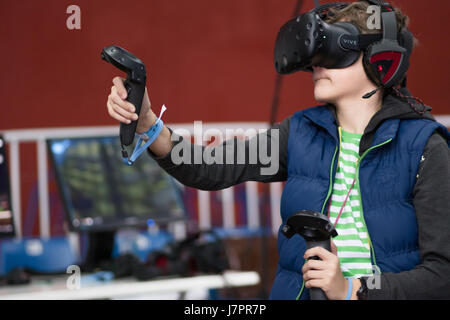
pixel 207 60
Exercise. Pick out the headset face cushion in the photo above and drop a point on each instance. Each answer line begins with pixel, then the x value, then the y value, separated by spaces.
pixel 308 40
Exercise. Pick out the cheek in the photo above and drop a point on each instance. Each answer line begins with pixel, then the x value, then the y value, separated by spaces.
pixel 343 82
pixel 334 84
pixel 356 74
pixel 325 90
pixel 353 79
pixel 329 90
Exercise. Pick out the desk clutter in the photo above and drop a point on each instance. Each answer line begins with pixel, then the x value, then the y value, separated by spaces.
pixel 200 253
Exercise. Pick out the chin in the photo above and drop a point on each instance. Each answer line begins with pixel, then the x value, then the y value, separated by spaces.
pixel 325 95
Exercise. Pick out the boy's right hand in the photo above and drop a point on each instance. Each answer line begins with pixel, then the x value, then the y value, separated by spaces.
pixel 124 111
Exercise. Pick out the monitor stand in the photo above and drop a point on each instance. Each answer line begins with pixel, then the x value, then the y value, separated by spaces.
pixel 99 252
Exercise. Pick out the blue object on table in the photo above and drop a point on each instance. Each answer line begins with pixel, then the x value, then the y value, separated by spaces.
pixel 139 243
pixel 97 277
pixel 52 255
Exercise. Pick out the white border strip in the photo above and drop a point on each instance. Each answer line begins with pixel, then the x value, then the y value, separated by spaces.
pixel 204 210
pixel 275 202
pixel 444 119
pixel 228 208
pixel 251 191
pixel 32 135
pixel 44 201
pixel 14 164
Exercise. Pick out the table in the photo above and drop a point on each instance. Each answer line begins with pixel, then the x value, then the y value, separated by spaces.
pixel 55 288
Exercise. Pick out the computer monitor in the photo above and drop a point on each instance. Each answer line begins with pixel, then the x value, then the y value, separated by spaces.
pixel 101 194
pixel 6 217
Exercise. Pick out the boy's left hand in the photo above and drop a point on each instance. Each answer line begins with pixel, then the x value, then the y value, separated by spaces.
pixel 326 273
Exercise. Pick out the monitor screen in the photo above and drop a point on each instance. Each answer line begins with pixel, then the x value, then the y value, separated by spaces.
pixel 100 192
pixel 6 217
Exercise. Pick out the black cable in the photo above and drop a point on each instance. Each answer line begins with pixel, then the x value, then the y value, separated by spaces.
pixel 266 188
pixel 279 78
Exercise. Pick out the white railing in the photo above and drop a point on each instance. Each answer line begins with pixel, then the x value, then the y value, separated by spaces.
pixel 39 136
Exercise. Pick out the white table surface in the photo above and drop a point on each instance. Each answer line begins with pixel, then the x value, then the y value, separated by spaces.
pixel 55 288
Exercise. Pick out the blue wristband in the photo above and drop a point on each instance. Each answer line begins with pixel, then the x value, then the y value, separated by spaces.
pixel 350 289
pixel 150 135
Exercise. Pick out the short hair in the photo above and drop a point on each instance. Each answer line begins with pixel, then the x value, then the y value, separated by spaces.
pixel 356 13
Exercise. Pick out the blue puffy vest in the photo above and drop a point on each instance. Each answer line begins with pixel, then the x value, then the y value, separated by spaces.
pixel 387 174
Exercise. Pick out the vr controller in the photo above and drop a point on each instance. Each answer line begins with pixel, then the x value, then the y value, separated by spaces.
pixel 134 84
pixel 317 230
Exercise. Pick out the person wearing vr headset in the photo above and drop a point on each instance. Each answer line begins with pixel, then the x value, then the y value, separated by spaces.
pixel 371 157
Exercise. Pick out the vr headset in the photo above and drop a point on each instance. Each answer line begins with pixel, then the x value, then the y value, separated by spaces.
pixel 307 41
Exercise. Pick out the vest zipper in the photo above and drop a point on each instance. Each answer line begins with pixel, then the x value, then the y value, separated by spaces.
pixel 330 188
pixel 373 259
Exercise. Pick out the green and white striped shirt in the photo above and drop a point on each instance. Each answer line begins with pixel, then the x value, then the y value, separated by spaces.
pixel 352 241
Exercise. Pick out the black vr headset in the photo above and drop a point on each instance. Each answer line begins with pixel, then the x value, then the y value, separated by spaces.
pixel 307 41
